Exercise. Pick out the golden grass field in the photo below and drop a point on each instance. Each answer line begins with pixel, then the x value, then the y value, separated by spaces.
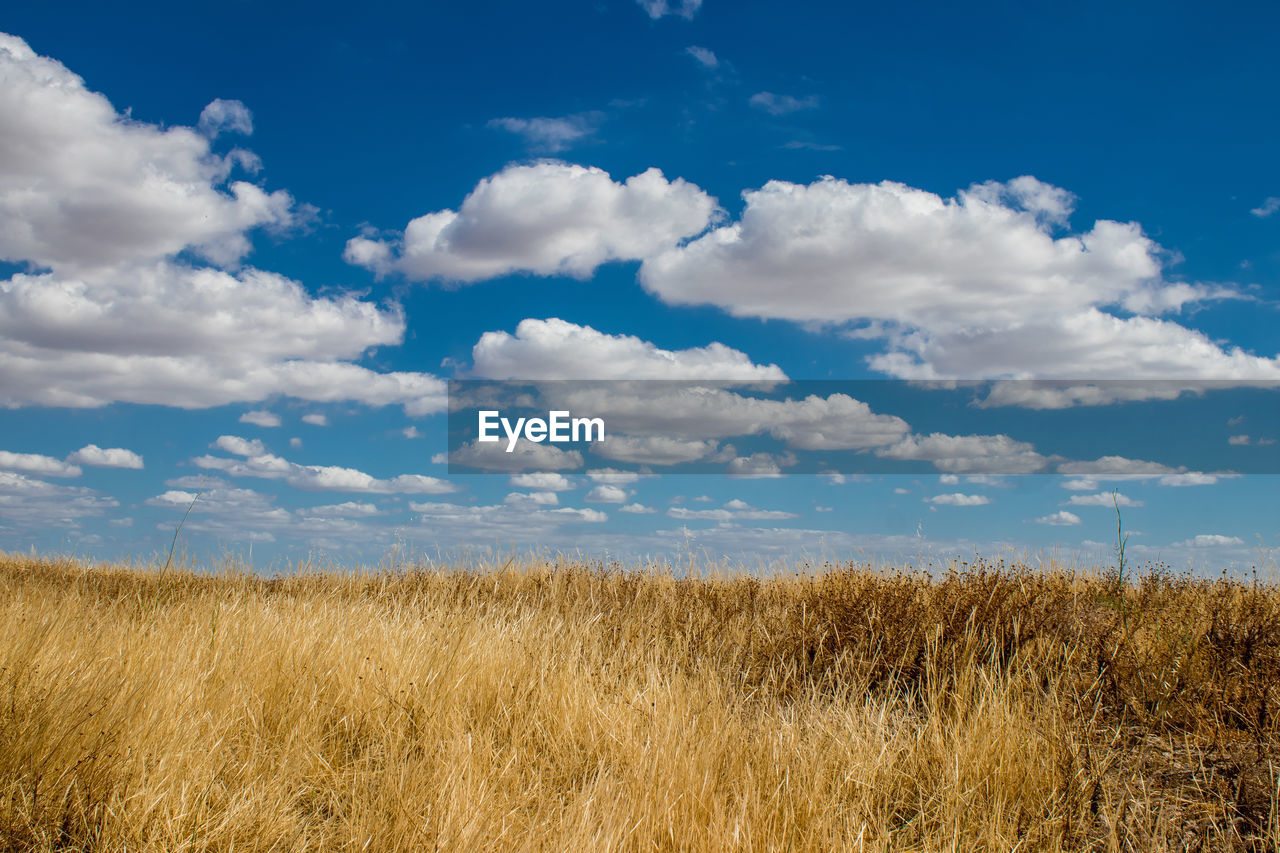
pixel 563 706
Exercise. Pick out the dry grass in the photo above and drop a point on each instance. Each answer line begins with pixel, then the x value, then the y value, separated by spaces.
pixel 562 706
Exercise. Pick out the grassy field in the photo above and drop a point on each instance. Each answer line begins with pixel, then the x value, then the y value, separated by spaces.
pixel 561 706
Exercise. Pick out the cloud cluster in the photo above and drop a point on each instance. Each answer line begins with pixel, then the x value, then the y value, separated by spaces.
pixel 103 211
pixel 546 218
pixel 556 349
pixel 257 462
pixel 979 285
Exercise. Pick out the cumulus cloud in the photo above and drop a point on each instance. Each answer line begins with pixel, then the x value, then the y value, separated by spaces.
pixel 315 419
pixel 240 446
pixel 557 349
pixel 1061 518
pixel 959 499
pixel 968 454
pixel 82 187
pixel 551 135
pixel 261 418
pixel 107 213
pixel 313 477
pixel 526 456
pixel 37 463
pixel 612 476
pixel 30 503
pixel 653 449
pixel 979 285
pixel 759 465
pixel 544 481
pixel 607 494
pixel 1209 540
pixel 683 8
pixel 244 515
pixel 225 116
pixel 106 457
pixel 546 218
pixel 779 105
pixel 637 509
pixel 535 499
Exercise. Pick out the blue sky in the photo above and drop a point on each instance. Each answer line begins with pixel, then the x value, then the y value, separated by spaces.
pixel 218 220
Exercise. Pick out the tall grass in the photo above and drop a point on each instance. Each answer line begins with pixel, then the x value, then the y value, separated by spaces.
pixel 557 705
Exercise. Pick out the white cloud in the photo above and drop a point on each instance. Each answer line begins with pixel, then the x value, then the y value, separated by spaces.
pixel 260 418
pixel 535 499
pixel 734 510
pixel 760 465
pixel 705 57
pixel 295 442
pixel 85 188
pixel 1081 484
pixel 526 456
pixel 901 491
pixel 106 457
pixel 459 523
pixel 1268 207
pixel 1089 473
pixel 1209 540
pixel 225 116
pixel 978 285
pixel 551 134
pixel 168 334
pixel 240 446
pixel 243 515
pixel 32 503
pixel 652 449
pixel 1190 478
pixel 411 432
pixel 98 207
pixel 637 509
pixel 657 8
pixel 607 494
pixel 36 463
pixel 948 479
pixel 959 499
pixel 782 104
pixel 1103 499
pixel 612 476
pixel 557 349
pixel 548 219
pixel 316 477
pixel 315 419
pixel 968 454
pixel 347 509
pixel 1061 518
pixel 545 481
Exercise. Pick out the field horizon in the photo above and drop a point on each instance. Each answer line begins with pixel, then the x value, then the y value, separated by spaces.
pixel 560 704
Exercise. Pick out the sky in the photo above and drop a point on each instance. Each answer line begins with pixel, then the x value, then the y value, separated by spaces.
pixel 246 248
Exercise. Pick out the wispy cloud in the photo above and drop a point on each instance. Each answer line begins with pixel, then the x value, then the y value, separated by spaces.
pixel 549 135
pixel 778 105
pixel 658 8
pixel 1268 207
pixel 705 57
